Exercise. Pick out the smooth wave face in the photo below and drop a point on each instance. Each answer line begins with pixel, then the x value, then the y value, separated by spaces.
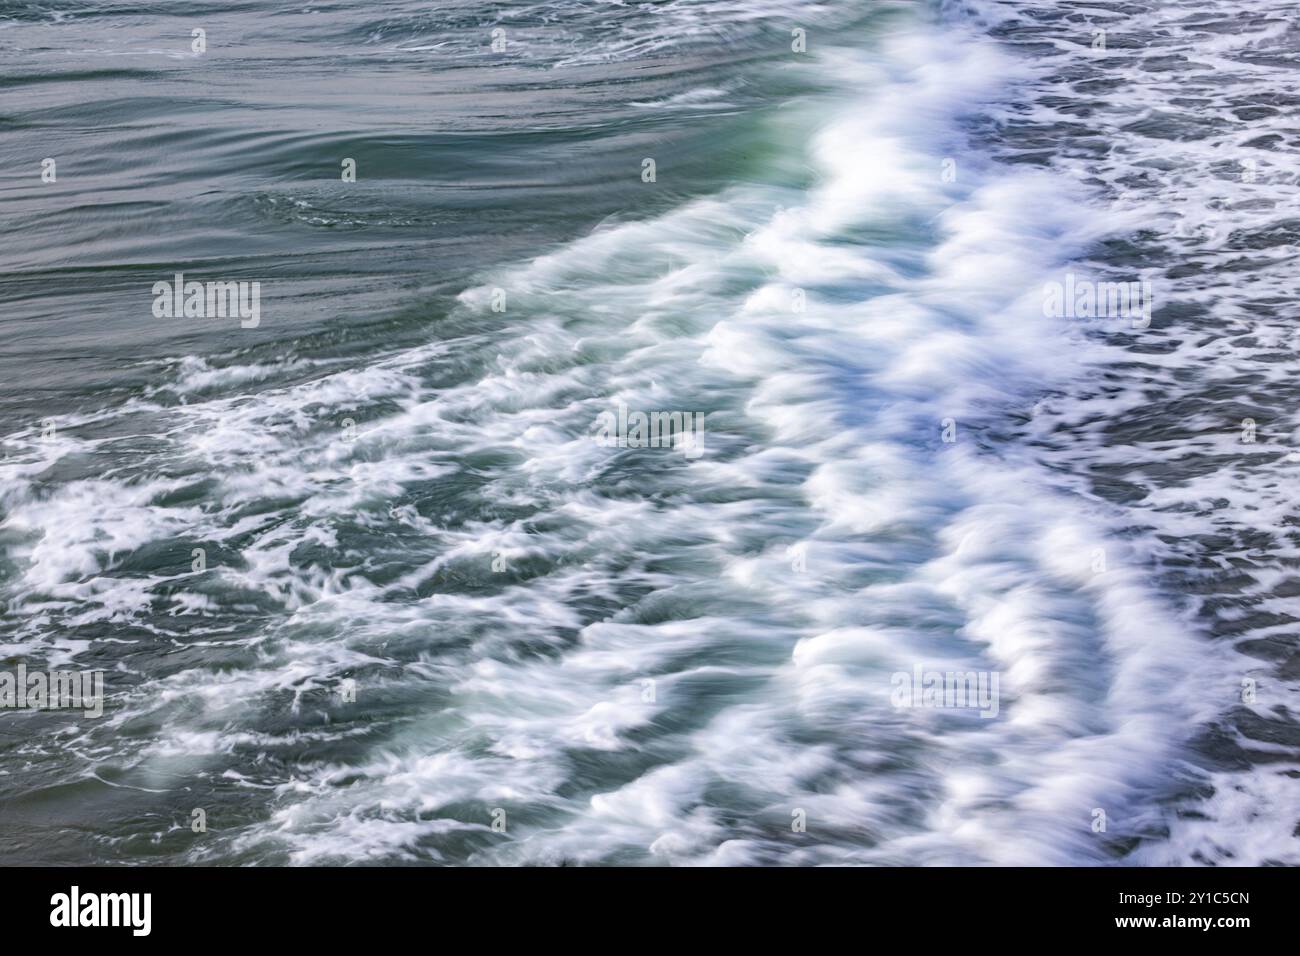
pixel 564 652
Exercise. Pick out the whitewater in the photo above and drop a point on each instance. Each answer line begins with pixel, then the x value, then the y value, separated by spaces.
pixel 436 621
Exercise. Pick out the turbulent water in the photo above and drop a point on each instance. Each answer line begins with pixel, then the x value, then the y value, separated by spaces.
pixel 365 588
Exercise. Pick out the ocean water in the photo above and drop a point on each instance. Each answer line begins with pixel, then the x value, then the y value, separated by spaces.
pixel 364 586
